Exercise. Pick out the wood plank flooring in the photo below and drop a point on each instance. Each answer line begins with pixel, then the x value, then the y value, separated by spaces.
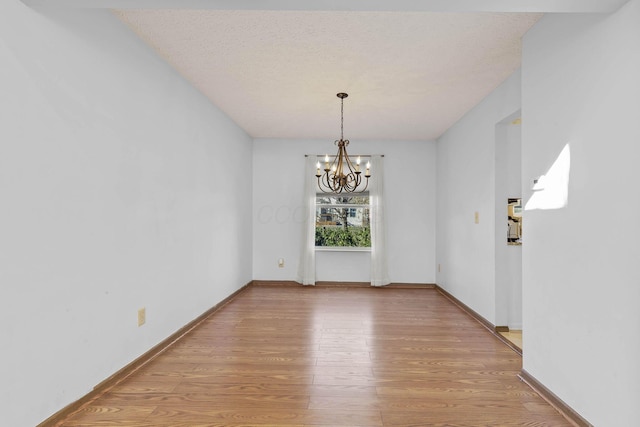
pixel 514 336
pixel 327 356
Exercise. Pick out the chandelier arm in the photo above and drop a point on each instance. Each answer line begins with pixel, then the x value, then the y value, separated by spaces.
pixel 320 186
pixel 332 182
pixel 338 163
pixel 327 181
pixel 352 168
pixel 357 179
pixel 324 187
pixel 329 184
pixel 366 184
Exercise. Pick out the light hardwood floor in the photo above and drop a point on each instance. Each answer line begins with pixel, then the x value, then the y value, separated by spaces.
pixel 327 356
pixel 514 336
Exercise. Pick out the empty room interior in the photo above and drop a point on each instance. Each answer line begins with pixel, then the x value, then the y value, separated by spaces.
pixel 195 229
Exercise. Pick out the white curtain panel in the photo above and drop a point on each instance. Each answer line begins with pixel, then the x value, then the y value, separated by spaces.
pixel 379 266
pixel 307 264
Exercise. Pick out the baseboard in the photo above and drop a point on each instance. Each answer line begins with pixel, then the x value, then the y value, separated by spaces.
pixel 484 322
pixel 410 285
pixel 368 285
pixel 537 386
pixel 275 283
pixel 59 417
pixel 101 388
pixel 567 411
pixel 325 283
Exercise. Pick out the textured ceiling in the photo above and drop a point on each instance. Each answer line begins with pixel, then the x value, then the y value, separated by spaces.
pixel 409 75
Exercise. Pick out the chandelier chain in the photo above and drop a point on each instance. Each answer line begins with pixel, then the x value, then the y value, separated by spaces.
pixel 342 119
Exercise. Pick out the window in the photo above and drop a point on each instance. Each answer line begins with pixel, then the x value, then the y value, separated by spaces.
pixel 343 221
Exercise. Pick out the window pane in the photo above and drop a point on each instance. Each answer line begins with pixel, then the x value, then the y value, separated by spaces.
pixel 337 226
pixel 334 199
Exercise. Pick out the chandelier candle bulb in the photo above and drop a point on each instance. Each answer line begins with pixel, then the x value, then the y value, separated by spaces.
pixel 318 169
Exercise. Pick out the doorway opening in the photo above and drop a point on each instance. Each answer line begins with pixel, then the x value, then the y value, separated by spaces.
pixel 509 236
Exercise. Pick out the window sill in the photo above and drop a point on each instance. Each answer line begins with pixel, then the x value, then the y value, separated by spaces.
pixel 341 249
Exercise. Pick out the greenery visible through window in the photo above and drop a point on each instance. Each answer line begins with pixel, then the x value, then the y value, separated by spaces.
pixel 343 220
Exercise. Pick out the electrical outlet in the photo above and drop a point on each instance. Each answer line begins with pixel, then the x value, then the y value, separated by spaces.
pixel 142 316
pixel 281 263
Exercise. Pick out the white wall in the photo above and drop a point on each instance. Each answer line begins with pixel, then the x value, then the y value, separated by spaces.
pixel 580 263
pixel 466 184
pixel 410 195
pixel 109 173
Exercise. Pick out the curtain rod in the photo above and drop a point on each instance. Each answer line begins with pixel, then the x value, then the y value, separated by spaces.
pixel 350 155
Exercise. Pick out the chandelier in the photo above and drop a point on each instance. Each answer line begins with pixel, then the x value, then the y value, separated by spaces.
pixel 342 175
